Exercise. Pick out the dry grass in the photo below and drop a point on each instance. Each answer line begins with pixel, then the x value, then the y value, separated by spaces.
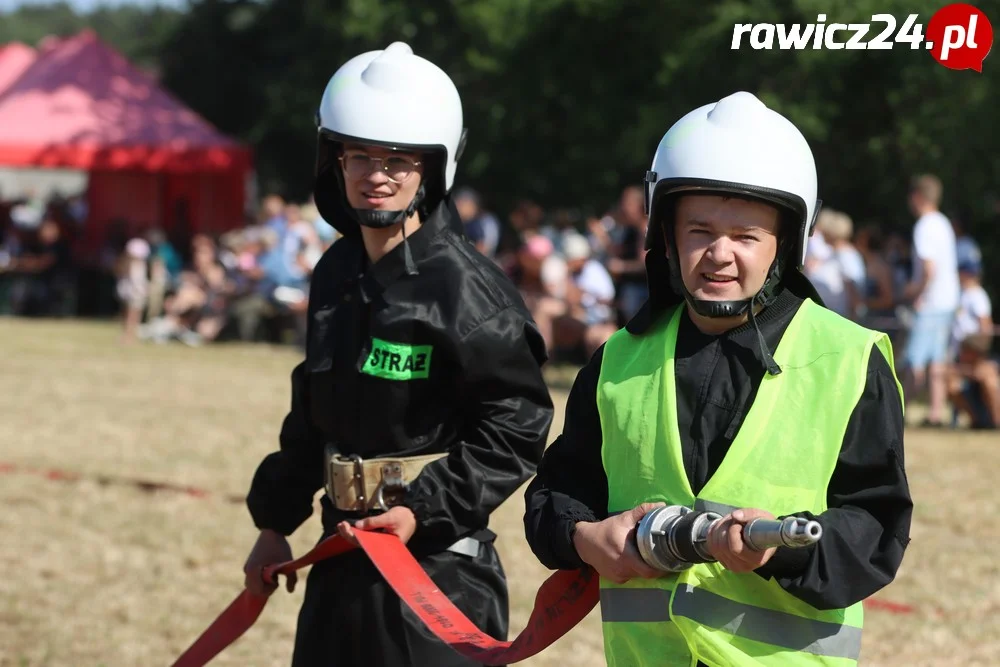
pixel 107 574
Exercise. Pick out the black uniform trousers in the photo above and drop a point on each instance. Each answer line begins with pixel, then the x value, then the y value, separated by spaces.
pixel 352 618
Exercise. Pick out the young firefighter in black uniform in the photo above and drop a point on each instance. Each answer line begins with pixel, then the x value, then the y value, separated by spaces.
pixel 731 390
pixel 420 404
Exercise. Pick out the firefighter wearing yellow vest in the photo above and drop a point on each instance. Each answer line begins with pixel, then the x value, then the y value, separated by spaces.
pixel 733 390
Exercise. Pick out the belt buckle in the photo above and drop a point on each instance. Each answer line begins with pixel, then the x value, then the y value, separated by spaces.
pixel 358 478
pixel 392 477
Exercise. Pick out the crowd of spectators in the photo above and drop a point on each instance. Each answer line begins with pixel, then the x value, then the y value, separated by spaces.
pixel 581 277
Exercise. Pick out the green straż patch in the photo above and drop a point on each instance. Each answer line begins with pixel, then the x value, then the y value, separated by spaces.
pixel 398 361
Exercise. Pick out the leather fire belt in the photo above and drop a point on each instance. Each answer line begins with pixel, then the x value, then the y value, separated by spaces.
pixel 358 485
pixel 564 600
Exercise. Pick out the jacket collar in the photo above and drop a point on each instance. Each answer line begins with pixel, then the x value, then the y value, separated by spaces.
pixel 392 266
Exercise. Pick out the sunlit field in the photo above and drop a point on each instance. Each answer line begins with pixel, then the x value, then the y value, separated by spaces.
pixel 104 571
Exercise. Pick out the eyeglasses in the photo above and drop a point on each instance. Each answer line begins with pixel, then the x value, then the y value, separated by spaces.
pixel 396 167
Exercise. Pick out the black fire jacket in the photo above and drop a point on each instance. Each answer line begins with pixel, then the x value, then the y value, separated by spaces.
pixel 447 360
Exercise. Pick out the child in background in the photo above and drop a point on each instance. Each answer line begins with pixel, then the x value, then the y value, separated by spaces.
pixel 974 386
pixel 133 286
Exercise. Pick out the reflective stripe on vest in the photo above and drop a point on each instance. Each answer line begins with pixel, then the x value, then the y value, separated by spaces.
pixel 649 605
pixel 781 461
pixel 635 605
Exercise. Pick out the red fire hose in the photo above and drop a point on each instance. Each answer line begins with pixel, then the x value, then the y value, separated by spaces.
pixel 563 601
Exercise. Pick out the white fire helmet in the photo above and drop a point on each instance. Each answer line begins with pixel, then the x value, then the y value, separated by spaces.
pixel 737 145
pixel 394 99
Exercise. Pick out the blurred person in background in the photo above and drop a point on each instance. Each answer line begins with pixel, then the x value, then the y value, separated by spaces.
pixel 821 265
pixel 419 350
pixel 324 230
pixel 165 266
pixel 133 286
pixel 590 318
pixel 481 226
pixel 285 264
pixel 214 314
pixel 230 244
pixel 966 249
pixel 934 292
pixel 523 222
pixel 543 281
pixel 562 223
pixel 78 209
pixel 252 304
pixel 899 255
pixel 198 310
pixel 584 318
pixel 874 302
pixel 974 381
pixel 56 269
pixel 626 264
pixel 307 248
pixel 844 259
pixel 839 231
pixel 601 233
pixel 272 214
pixel 6 225
pixel 542 273
pixel 43 265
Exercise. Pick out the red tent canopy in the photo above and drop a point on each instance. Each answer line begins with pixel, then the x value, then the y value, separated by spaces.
pixel 81 105
pixel 14 59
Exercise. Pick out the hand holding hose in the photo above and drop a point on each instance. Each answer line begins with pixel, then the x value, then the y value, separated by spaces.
pixel 726 542
pixel 269 549
pixel 673 538
pixel 609 547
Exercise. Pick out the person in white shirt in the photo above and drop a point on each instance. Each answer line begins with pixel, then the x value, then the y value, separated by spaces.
pixel 974 382
pixel 821 266
pixel 586 316
pixel 133 286
pixel 852 264
pixel 974 306
pixel 845 260
pixel 934 292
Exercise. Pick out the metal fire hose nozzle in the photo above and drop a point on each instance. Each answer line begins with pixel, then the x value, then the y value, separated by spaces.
pixel 793 531
pixel 674 538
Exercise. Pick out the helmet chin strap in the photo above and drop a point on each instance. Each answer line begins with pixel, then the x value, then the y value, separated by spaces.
pixel 715 309
pixel 374 219
pixel 708 308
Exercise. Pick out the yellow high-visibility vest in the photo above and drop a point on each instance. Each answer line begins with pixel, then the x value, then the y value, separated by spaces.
pixel 781 461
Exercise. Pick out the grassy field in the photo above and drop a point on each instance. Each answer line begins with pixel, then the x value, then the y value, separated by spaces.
pixel 106 574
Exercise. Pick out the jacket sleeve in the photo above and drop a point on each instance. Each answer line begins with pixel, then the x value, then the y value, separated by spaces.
pixel 866 528
pixel 508 413
pixel 283 487
pixel 571 484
